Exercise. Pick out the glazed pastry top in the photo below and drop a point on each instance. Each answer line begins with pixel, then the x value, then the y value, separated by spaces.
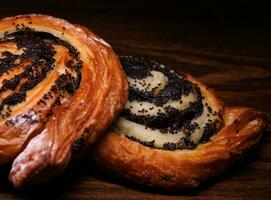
pixel 165 110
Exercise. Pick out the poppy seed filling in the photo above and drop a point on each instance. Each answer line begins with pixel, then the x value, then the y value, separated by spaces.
pixel 164 110
pixel 28 58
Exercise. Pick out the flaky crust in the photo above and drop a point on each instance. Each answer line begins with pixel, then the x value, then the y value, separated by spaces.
pixel 101 95
pixel 183 169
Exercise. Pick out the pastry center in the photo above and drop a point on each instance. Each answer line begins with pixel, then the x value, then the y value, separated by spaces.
pixel 38 72
pixel 165 110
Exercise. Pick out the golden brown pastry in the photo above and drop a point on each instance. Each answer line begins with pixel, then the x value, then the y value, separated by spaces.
pixel 174 133
pixel 49 69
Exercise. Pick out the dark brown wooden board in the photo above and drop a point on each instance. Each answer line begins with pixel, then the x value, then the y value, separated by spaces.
pixel 231 53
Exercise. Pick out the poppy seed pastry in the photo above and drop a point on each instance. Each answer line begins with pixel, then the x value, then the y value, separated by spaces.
pixel 165 110
pixel 174 133
pixel 49 69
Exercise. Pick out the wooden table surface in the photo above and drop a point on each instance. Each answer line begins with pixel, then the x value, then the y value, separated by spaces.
pixel 229 51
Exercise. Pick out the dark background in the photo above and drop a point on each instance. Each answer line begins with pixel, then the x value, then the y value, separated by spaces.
pixel 225 44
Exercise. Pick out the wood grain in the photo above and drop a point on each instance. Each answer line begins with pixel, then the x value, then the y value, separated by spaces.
pixel 232 58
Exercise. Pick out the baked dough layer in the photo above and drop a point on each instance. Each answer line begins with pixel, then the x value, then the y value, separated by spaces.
pixel 182 169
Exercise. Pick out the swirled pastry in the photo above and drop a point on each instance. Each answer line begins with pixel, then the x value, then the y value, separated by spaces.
pixel 166 110
pixel 173 132
pixel 49 69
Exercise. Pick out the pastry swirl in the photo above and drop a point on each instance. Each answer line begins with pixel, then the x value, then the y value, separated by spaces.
pixel 132 148
pixel 49 68
pixel 165 110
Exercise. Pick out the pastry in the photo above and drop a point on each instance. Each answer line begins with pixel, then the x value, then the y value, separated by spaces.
pixel 174 133
pixel 49 69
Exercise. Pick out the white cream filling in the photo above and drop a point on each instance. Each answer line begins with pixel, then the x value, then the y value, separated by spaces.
pixel 132 129
pixel 201 121
pixel 156 82
pixel 136 107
